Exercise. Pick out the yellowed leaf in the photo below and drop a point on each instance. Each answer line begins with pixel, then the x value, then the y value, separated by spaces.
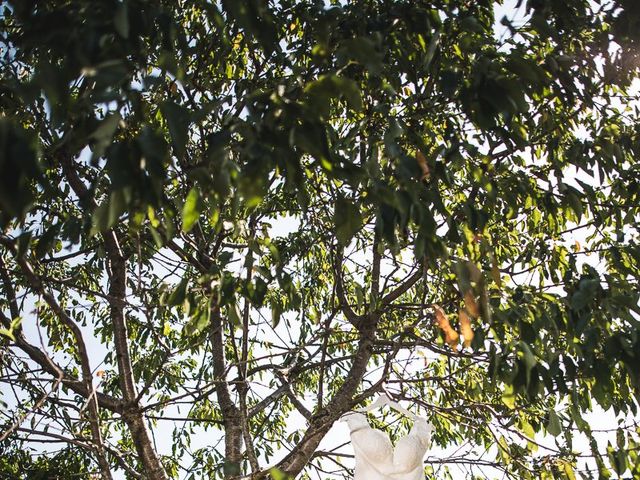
pixel 470 304
pixel 424 357
pixel 451 337
pixel 465 328
pixel 424 166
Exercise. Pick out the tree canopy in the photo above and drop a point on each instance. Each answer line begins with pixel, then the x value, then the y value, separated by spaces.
pixel 237 220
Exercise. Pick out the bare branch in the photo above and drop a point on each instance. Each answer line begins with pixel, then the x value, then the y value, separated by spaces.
pixel 346 309
pixel 403 287
pixel 117 296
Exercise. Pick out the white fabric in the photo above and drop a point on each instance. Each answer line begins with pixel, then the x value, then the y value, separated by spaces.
pixel 377 459
pixel 384 400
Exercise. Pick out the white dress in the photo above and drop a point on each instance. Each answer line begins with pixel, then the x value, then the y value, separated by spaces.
pixel 377 459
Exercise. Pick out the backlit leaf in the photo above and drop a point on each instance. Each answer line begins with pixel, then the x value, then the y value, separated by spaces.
pixel 465 328
pixel 191 209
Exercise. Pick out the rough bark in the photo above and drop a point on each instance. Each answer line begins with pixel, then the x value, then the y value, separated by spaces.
pixel 320 424
pixel 133 415
pixel 108 402
pixel 231 415
pixel 343 400
pixel 85 367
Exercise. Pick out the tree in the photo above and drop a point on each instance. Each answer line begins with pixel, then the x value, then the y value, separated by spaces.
pixel 263 211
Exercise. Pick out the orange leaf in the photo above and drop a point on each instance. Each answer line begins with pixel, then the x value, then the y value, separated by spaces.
pixel 424 166
pixel 450 335
pixel 470 304
pixel 465 328
pixel 100 373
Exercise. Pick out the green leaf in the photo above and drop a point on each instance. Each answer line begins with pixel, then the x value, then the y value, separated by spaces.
pixel 7 333
pixel 528 431
pixel 347 220
pixel 259 292
pixel 198 322
pixel 103 135
pixel 350 91
pixel 509 397
pixel 503 450
pixel 19 168
pixel 525 68
pixel 553 425
pixel 100 219
pixel 234 314
pixel 179 294
pixel 527 355
pixel 47 241
pixel 117 207
pixel 575 203
pixel 121 20
pixel 568 470
pixel 191 209
pixel 329 87
pixel 178 120
pixel 276 314
pixel 254 16
pixel 311 137
pixel 431 50
pixel 363 50
pixel 13 327
pixel 360 299
pixel 277 474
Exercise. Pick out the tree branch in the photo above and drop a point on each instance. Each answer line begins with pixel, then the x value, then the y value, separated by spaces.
pixel 403 287
pixel 232 420
pixel 344 306
pixel 48 365
pixel 322 421
pixel 117 296
pixel 87 376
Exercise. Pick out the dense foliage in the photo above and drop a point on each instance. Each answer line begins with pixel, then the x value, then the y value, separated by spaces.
pixel 225 224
